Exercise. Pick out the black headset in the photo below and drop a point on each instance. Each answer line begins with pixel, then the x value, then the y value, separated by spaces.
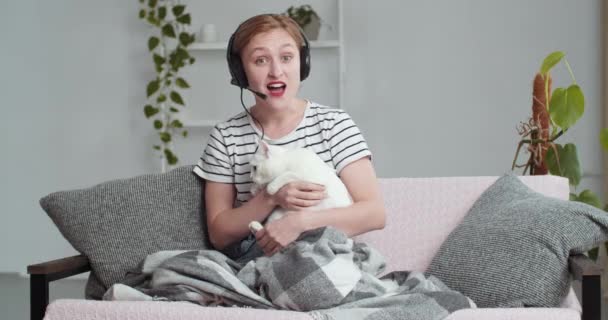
pixel 235 65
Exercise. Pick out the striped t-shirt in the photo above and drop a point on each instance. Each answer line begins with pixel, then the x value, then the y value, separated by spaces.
pixel 329 132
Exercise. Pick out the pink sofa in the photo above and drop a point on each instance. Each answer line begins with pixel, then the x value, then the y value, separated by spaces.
pixel 421 212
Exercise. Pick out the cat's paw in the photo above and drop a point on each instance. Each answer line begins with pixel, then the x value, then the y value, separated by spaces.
pixel 255 226
pixel 272 188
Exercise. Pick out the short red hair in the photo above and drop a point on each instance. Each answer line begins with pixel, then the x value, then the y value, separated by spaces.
pixel 264 23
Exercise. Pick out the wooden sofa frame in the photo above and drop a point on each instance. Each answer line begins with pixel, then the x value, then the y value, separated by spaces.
pixel 582 269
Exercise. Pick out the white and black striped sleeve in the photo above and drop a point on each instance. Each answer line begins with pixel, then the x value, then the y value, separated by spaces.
pixel 346 142
pixel 214 164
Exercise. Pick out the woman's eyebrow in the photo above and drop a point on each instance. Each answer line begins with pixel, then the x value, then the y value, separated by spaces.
pixel 255 50
pixel 287 45
pixel 266 49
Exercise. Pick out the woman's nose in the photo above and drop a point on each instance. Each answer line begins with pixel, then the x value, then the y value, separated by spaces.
pixel 276 69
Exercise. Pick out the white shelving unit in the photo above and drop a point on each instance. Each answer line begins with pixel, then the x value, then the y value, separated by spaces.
pixel 314 45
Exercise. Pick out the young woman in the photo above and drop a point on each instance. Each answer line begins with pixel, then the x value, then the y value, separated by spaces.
pixel 269 56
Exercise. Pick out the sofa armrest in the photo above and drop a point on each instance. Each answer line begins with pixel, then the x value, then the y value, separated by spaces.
pixel 42 274
pixel 581 265
pixel 66 266
pixel 588 273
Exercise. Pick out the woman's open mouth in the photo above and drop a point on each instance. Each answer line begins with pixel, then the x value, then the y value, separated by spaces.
pixel 276 88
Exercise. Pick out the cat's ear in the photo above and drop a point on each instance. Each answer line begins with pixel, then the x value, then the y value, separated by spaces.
pixel 264 147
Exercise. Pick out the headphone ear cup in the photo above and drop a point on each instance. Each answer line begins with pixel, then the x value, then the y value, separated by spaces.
pixel 235 66
pixel 239 72
pixel 304 63
pixel 304 58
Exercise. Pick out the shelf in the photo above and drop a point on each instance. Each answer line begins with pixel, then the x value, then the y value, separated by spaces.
pixel 222 45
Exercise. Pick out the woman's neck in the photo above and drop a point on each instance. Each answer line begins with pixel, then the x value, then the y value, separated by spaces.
pixel 279 121
pixel 276 117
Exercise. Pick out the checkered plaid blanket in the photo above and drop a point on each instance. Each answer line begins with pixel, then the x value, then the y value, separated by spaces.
pixel 324 273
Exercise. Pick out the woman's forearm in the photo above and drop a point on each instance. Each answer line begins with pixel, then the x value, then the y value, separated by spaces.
pixel 233 225
pixel 353 220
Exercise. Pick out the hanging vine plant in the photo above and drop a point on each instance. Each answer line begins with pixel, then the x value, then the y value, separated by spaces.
pixel 169 49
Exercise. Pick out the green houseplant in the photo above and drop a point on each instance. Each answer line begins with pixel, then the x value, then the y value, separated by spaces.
pixel 169 49
pixel 307 18
pixel 553 113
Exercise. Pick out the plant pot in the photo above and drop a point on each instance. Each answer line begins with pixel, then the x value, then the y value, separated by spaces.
pixel 311 30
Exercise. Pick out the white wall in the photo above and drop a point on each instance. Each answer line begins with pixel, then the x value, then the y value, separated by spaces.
pixel 72 96
pixel 437 87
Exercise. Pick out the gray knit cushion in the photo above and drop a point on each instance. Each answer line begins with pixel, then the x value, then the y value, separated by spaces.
pixel 117 223
pixel 512 248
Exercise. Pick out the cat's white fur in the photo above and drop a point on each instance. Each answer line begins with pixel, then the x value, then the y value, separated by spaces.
pixel 273 167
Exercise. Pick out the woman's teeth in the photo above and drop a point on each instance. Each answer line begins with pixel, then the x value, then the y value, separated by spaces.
pixel 276 86
pixel 276 89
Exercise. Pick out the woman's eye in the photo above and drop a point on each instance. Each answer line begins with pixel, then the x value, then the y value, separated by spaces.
pixel 287 58
pixel 261 60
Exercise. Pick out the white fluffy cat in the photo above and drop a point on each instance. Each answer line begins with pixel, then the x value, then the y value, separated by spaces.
pixel 272 167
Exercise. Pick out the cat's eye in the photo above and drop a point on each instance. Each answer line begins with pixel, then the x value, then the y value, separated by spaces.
pixel 254 168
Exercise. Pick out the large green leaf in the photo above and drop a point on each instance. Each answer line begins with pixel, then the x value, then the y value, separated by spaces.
pixel 162 12
pixel 173 60
pixel 604 138
pixel 192 38
pixel 185 39
pixel 158 60
pixel 142 13
pixel 152 3
pixel 178 10
pixel 158 124
pixel 152 87
pixel 171 158
pixel 185 19
pixel 569 166
pixel 177 124
pixel 550 61
pixel 168 31
pixel 152 20
pixel 567 106
pixel 152 43
pixel 175 97
pixel 181 54
pixel 180 82
pixel 590 198
pixel 150 110
pixel 165 136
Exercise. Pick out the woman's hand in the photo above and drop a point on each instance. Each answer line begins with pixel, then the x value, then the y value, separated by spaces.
pixel 279 233
pixel 299 195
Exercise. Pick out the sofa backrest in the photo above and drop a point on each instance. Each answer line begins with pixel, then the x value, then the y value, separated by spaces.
pixel 421 213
